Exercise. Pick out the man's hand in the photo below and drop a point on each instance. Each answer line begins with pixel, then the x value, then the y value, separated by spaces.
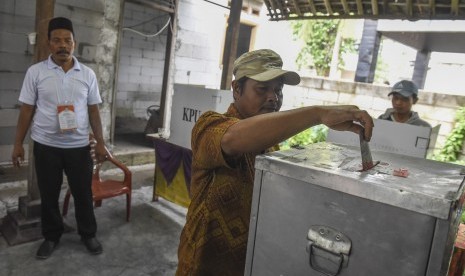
pixel 100 152
pixel 17 156
pixel 349 118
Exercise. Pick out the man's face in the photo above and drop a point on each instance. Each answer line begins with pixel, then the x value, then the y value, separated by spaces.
pixel 256 98
pixel 402 105
pixel 61 45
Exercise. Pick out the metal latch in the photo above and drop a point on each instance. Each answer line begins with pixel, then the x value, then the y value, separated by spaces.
pixel 328 249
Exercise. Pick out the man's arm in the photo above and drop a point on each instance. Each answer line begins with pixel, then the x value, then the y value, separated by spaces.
pixel 96 125
pixel 26 113
pixel 254 134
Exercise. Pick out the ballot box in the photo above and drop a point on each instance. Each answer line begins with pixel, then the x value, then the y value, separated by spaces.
pixel 189 103
pixel 315 213
pixel 405 139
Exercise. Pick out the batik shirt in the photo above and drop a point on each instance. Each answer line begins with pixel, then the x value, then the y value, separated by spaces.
pixel 214 239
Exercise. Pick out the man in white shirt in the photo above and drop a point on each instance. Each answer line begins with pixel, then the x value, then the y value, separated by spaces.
pixel 60 98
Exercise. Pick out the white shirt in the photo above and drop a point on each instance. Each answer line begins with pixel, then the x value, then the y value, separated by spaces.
pixel 46 86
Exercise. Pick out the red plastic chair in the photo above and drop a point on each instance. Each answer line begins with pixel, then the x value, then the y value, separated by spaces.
pixel 107 188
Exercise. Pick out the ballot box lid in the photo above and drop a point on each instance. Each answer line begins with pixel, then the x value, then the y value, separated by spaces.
pixel 428 187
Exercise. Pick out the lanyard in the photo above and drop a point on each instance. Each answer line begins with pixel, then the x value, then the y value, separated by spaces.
pixel 58 93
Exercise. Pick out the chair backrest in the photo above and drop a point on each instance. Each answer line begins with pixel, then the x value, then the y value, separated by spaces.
pixel 106 188
pixel 109 157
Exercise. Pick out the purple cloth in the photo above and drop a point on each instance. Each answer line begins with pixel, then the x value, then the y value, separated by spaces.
pixel 169 157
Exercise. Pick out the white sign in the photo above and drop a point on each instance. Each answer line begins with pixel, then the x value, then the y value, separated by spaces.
pixel 189 103
pixel 392 137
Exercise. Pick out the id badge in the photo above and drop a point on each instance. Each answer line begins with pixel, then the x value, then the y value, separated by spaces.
pixel 67 117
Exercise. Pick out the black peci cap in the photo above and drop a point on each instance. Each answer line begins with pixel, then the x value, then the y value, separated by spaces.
pixel 60 23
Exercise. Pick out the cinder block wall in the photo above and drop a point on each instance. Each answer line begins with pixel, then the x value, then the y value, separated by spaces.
pixel 16 21
pixel 142 59
pixel 433 107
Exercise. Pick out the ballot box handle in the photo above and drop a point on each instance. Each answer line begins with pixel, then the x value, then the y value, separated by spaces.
pixel 324 255
pixel 328 249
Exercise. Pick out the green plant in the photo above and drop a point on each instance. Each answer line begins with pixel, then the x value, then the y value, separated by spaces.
pixel 309 136
pixel 318 37
pixel 454 142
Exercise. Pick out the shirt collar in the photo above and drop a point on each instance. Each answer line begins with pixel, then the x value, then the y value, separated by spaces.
pixel 52 65
pixel 233 112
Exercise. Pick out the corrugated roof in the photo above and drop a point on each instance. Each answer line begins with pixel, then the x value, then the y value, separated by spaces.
pixel 372 9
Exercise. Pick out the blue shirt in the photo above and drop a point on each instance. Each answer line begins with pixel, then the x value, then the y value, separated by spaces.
pixel 46 86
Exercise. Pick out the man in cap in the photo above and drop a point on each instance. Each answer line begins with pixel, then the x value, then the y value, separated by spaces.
pixel 224 147
pixel 60 98
pixel 404 94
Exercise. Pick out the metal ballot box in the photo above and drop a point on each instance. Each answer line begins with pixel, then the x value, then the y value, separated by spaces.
pixel 315 213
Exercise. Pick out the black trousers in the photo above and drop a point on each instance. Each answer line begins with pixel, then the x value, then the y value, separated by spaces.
pixel 76 163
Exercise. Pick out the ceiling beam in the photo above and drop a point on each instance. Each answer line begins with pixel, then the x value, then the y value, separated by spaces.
pixel 409 6
pixel 328 6
pixel 432 7
pixel 374 7
pixel 270 7
pixel 312 6
pixel 281 8
pixel 345 6
pixel 296 7
pixel 359 7
pixel 272 4
pixel 454 7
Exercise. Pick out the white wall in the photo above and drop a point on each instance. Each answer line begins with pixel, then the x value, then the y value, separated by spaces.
pixel 199 43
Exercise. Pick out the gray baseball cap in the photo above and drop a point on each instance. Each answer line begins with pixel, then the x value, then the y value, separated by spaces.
pixel 263 65
pixel 405 88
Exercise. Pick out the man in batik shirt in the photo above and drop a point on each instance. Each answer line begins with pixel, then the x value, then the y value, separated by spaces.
pixel 224 146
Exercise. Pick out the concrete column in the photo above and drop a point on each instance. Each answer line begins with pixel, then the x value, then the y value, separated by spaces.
pixel 230 44
pixel 368 52
pixel 168 69
pixel 107 62
pixel 421 68
pixel 333 69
